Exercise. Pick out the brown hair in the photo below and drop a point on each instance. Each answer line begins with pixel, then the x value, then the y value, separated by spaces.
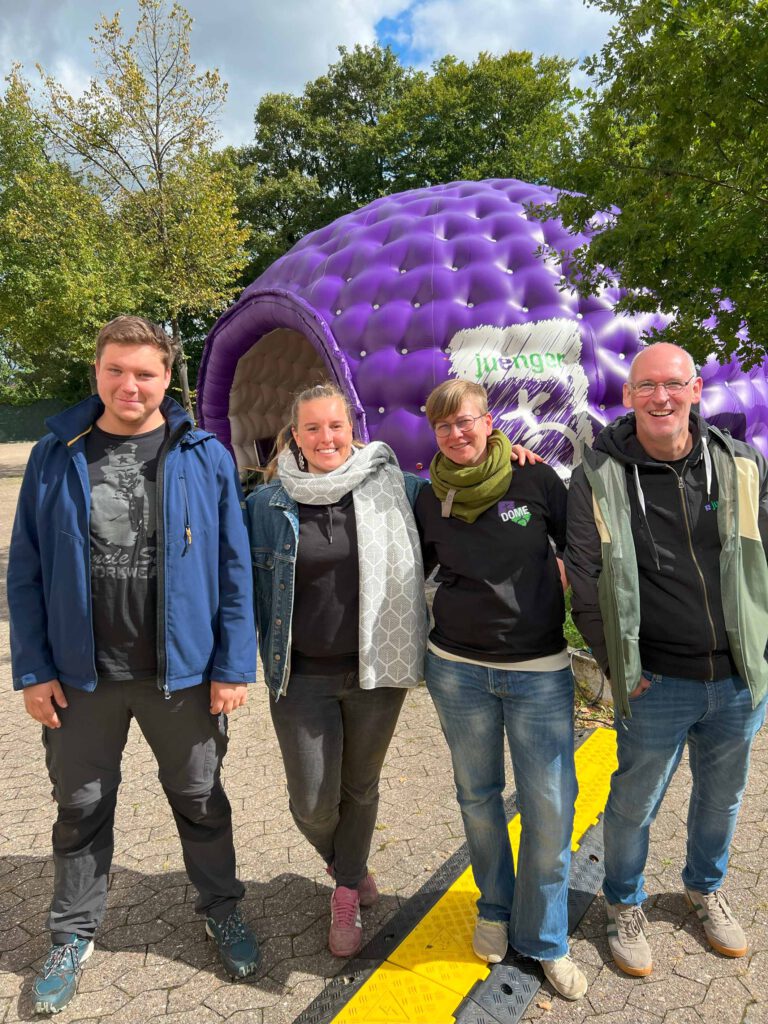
pixel 325 389
pixel 135 330
pixel 447 399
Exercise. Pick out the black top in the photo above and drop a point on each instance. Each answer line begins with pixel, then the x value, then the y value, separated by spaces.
pixel 326 603
pixel 500 597
pixel 677 543
pixel 122 472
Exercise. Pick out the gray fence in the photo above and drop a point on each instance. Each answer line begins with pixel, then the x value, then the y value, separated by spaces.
pixel 26 422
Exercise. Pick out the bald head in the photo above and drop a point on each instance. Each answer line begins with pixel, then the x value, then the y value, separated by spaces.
pixel 662 388
pixel 658 357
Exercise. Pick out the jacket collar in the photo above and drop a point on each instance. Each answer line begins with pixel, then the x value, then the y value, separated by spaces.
pixel 281 498
pixel 71 424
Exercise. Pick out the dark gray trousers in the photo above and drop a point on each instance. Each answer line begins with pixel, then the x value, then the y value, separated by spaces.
pixel 334 737
pixel 83 758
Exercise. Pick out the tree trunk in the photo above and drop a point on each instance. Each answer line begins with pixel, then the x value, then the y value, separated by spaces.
pixel 92 379
pixel 181 365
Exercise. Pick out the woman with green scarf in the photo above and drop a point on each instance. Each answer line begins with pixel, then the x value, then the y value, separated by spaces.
pixel 497 662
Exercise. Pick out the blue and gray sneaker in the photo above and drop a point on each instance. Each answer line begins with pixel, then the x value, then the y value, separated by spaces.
pixel 236 943
pixel 56 983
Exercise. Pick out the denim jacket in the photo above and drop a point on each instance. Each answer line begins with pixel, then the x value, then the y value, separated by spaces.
pixel 273 526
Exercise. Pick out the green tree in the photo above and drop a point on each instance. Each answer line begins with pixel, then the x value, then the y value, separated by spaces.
pixel 65 264
pixel 370 126
pixel 674 134
pixel 320 154
pixel 501 116
pixel 142 131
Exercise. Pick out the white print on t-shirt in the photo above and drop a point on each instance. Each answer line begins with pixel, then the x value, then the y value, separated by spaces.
pixel 123 515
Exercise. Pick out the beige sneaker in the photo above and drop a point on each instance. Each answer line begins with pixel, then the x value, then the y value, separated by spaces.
pixel 723 931
pixel 490 940
pixel 565 977
pixel 626 938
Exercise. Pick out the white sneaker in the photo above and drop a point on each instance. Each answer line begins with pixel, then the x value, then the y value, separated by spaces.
pixel 490 940
pixel 565 977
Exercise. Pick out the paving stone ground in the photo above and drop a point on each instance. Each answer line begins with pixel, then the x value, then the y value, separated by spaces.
pixel 152 962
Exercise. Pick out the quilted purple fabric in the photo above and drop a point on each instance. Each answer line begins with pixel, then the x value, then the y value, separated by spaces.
pixel 445 281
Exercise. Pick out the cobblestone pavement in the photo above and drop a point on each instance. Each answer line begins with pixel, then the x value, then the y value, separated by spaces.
pixel 152 963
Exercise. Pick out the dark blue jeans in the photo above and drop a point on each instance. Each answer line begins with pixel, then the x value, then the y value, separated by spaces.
pixel 476 707
pixel 718 722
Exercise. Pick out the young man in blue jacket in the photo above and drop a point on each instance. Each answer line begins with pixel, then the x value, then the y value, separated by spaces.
pixel 129 586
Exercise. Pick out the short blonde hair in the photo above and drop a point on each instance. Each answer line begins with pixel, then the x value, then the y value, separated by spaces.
pixel 448 397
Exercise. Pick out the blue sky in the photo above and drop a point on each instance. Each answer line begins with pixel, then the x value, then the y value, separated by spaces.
pixel 262 47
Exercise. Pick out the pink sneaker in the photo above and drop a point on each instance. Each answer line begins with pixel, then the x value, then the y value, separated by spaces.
pixel 346 935
pixel 367 891
pixel 366 888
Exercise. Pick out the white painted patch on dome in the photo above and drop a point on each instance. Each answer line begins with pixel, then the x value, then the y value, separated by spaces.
pixel 537 387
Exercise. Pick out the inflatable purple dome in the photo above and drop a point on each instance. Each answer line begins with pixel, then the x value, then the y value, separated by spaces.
pixel 439 282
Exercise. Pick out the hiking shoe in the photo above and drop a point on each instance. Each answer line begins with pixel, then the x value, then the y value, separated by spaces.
pixel 366 888
pixel 237 945
pixel 723 931
pixel 490 940
pixel 346 935
pixel 565 977
pixel 56 984
pixel 626 937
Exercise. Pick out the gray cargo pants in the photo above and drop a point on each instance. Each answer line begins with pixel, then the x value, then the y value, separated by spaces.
pixel 83 759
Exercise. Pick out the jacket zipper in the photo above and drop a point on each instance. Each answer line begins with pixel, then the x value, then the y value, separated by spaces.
pixel 686 518
pixel 187 527
pixel 162 654
pixel 87 546
pixel 287 666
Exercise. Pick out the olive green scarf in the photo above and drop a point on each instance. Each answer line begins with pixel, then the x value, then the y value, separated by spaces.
pixel 467 491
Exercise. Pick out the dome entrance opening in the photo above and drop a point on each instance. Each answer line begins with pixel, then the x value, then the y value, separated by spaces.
pixel 267 377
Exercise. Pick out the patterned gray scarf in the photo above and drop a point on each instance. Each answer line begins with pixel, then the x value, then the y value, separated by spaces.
pixel 391 568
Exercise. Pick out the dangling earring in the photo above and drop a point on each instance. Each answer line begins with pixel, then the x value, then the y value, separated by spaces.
pixel 301 460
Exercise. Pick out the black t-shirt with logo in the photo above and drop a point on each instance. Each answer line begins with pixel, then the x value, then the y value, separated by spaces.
pixel 123 473
pixel 500 597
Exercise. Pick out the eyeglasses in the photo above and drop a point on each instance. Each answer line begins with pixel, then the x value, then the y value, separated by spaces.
pixel 464 423
pixel 646 388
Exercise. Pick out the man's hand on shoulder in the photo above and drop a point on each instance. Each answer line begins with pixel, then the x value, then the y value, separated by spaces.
pixel 41 701
pixel 227 696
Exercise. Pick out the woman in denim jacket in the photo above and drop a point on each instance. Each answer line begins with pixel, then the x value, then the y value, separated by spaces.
pixel 341 616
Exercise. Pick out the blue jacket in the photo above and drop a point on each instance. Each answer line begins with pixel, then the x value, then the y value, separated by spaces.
pixel 273 525
pixel 204 583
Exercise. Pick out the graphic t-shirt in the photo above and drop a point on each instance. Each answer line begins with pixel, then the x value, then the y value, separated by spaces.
pixel 122 473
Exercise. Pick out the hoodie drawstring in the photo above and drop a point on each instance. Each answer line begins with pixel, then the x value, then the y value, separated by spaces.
pixel 707 466
pixel 646 527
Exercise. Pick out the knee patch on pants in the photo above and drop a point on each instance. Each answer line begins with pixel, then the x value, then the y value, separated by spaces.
pixel 90 825
pixel 210 811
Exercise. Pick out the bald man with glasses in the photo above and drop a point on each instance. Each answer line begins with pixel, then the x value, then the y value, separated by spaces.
pixel 666 554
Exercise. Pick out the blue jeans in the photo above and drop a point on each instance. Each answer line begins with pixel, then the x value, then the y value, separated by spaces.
pixel 719 723
pixel 476 706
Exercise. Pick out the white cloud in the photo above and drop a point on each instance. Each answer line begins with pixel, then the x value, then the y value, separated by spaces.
pixel 262 46
pixel 258 46
pixel 278 47
pixel 567 28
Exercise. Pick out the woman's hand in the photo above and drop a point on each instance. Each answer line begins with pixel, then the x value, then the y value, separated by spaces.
pixel 523 455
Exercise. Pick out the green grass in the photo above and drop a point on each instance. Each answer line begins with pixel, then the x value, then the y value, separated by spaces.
pixel 572 635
